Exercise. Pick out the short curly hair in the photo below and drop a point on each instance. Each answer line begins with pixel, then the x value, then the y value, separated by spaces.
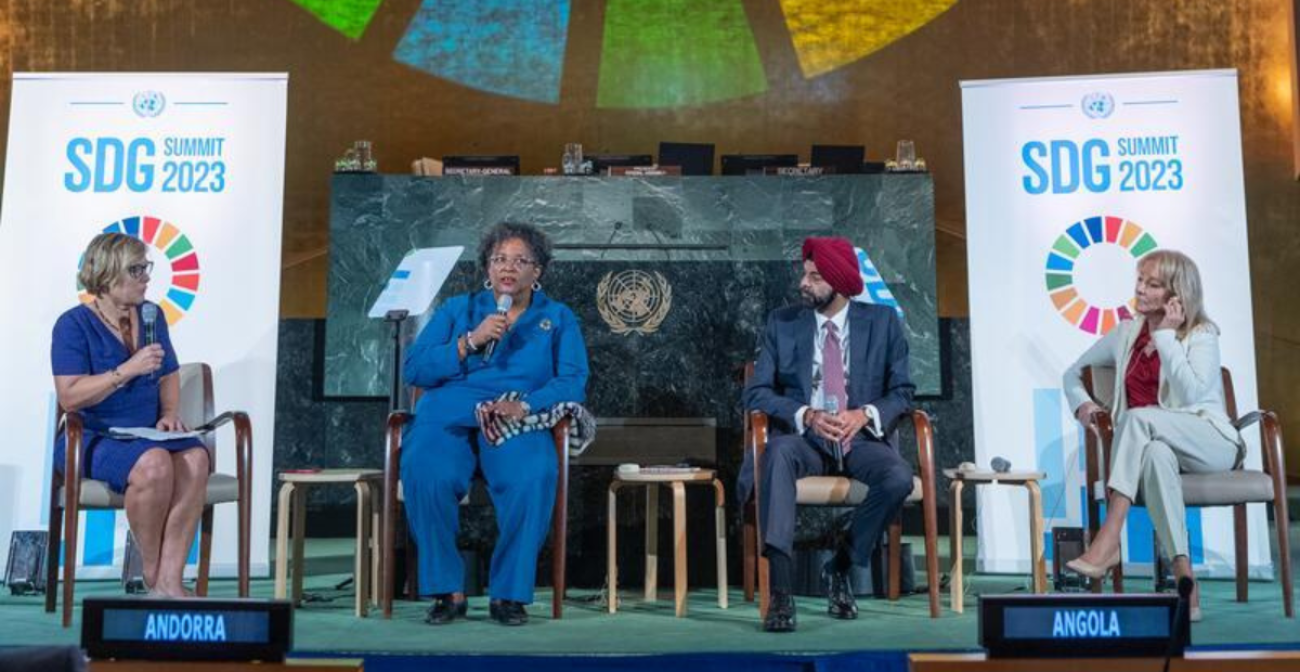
pixel 539 243
pixel 105 260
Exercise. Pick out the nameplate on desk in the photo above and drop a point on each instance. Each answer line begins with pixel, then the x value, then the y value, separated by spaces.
pixel 478 171
pixel 795 171
pixel 1082 625
pixel 645 171
pixel 188 629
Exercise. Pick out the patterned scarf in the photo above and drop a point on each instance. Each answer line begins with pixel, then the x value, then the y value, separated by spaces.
pixel 582 430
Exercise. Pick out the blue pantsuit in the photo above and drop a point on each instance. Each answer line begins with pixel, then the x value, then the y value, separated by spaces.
pixel 542 356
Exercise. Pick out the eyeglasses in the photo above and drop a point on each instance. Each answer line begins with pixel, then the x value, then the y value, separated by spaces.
pixel 137 271
pixel 511 262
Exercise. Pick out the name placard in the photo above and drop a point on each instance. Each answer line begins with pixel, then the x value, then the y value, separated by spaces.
pixel 795 171
pixel 190 629
pixel 478 170
pixel 1082 625
pixel 645 171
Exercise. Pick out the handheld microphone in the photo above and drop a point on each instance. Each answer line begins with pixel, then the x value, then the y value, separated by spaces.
pixel 149 316
pixel 503 307
pixel 831 405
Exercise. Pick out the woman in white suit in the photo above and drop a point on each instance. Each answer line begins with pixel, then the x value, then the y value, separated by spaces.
pixel 1168 410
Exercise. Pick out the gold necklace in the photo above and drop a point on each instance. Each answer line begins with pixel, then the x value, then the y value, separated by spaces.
pixel 94 304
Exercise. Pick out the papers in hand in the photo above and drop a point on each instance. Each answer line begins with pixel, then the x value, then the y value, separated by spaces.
pixel 151 434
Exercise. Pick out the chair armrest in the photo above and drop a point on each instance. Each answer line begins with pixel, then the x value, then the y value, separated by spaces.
pixel 758 433
pixel 243 443
pixel 924 432
pixel 74 433
pixel 1270 434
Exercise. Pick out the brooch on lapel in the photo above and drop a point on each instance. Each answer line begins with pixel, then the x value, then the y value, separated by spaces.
pixel 545 324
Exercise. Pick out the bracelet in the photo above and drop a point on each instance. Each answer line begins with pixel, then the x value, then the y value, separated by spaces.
pixel 118 379
pixel 469 343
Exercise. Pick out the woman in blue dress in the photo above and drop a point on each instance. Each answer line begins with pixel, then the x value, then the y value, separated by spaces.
pixel 104 370
pixel 471 354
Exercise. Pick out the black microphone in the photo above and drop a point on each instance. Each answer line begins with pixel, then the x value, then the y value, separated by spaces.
pixel 149 315
pixel 503 307
pixel 832 406
pixel 1180 630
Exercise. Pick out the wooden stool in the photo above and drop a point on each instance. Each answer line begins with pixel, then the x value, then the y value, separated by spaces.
pixel 1028 479
pixel 293 496
pixel 678 482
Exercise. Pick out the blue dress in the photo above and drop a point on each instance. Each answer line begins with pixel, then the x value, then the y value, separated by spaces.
pixel 83 345
pixel 544 358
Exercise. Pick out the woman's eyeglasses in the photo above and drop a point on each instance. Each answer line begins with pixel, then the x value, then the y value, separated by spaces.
pixel 137 271
pixel 511 262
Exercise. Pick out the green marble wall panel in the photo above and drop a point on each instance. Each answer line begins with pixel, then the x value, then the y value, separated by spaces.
pixel 727 245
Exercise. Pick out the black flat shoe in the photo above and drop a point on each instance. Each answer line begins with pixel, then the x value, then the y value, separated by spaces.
pixel 507 612
pixel 839 594
pixel 780 614
pixel 445 610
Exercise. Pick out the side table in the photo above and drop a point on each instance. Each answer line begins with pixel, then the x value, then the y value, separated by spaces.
pixel 1027 479
pixel 678 483
pixel 293 497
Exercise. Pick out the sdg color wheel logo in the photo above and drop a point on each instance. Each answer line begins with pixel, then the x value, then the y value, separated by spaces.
pixel 1083 240
pixel 176 272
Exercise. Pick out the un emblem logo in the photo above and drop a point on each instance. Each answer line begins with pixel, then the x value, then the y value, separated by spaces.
pixel 634 301
pixel 148 103
pixel 1098 105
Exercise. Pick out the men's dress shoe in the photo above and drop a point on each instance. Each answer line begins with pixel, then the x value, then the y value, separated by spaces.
pixel 507 612
pixel 780 614
pixel 446 610
pixel 1079 566
pixel 839 593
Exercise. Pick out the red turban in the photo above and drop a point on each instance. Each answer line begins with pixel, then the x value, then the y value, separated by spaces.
pixel 837 262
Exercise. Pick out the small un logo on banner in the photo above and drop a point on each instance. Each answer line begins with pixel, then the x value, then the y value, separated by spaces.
pixel 148 103
pixel 1098 105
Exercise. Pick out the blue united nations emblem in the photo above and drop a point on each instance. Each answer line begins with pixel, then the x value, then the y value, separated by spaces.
pixel 1098 105
pixel 148 103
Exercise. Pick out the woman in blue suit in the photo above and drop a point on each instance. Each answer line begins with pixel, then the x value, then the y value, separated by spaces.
pixel 471 354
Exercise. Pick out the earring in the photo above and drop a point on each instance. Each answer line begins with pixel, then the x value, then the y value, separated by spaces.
pixel 537 286
pixel 487 284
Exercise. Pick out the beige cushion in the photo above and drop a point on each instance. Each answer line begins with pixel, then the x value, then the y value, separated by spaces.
pixel 840 491
pixel 97 495
pixel 1222 489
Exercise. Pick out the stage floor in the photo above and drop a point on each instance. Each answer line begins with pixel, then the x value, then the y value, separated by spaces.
pixel 327 624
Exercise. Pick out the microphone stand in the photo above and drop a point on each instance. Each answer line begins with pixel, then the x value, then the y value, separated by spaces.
pixel 1180 632
pixel 395 318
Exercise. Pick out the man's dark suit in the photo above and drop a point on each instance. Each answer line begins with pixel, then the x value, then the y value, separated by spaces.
pixel 782 384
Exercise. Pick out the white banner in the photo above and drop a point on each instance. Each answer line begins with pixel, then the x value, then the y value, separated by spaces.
pixel 1068 181
pixel 193 165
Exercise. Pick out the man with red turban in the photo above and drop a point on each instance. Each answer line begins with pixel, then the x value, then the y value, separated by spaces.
pixel 832 375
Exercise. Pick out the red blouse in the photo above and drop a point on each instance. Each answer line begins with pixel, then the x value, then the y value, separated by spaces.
pixel 1142 379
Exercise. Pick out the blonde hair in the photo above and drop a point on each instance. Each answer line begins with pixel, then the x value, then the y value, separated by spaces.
pixel 105 260
pixel 1179 273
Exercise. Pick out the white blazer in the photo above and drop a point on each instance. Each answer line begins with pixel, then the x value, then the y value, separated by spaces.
pixel 1190 379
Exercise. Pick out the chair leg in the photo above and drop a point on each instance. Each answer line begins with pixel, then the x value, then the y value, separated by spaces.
pixel 70 521
pixel 749 547
pixel 720 540
pixel 1241 539
pixel 559 547
pixel 205 552
pixel 412 559
pixel 1283 522
pixel 931 514
pixel 895 559
pixel 611 549
pixel 53 546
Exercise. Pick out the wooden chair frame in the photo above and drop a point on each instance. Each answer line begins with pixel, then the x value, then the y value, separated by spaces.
pixel 65 518
pixel 1099 441
pixel 755 566
pixel 397 421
